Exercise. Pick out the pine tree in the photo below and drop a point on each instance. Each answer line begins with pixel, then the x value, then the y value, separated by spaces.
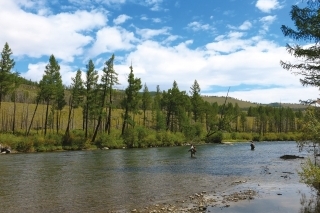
pixel 131 100
pixel 75 101
pixel 146 102
pixel 59 99
pixel 196 101
pixel 50 86
pixel 108 79
pixel 90 93
pixel 306 21
pixel 6 65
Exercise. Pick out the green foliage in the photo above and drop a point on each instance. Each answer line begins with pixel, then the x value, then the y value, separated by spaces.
pixel 192 132
pixel 130 138
pixel 131 100
pixel 24 146
pixel 256 137
pixel 310 174
pixel 167 138
pixel 197 103
pixel 6 77
pixel 216 137
pixel 112 141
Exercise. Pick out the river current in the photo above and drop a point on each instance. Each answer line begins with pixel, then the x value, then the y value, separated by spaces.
pixel 120 180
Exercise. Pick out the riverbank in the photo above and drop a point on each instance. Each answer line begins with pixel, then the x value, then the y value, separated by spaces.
pixel 237 197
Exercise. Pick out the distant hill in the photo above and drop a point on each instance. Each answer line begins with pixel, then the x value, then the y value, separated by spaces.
pixel 246 104
pixel 30 90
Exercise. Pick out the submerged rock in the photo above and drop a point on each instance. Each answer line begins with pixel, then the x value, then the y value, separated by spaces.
pixel 290 157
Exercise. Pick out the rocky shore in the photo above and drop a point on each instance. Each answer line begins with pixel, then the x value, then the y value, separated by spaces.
pixel 199 202
pixel 228 193
pixel 225 195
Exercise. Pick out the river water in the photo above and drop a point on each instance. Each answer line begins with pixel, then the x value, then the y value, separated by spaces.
pixel 121 180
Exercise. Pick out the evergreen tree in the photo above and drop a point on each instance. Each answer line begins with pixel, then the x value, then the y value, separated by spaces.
pixel 196 101
pixel 6 65
pixel 306 21
pixel 90 94
pixel 50 86
pixel 108 79
pixel 59 99
pixel 157 112
pixel 131 100
pixel 174 102
pixel 75 100
pixel 146 102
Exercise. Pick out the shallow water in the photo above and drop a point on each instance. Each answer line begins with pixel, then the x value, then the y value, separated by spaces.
pixel 104 180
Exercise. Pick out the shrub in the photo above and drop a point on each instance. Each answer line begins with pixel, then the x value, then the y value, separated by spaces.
pixel 310 174
pixel 215 138
pixel 130 138
pixel 256 137
pixel 25 145
pixel 112 141
pixel 245 136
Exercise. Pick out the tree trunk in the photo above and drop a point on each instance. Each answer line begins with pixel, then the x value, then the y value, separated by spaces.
pixel 35 110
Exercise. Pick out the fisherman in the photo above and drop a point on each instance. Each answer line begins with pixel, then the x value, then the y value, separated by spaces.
pixel 252 145
pixel 192 150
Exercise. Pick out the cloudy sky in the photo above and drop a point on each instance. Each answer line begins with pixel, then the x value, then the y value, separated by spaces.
pixel 219 43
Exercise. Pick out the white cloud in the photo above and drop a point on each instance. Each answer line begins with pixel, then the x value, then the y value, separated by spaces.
pixel 150 33
pixel 156 20
pixel 109 2
pixel 245 26
pixel 111 39
pixel 252 61
pixel 283 95
pixel 144 18
pixel 35 71
pixel 266 22
pixel 121 19
pixel 63 35
pixel 197 26
pixel 267 5
pixel 230 43
pixel 230 59
pixel 155 5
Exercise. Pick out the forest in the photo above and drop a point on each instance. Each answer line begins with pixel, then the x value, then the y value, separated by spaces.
pixel 91 113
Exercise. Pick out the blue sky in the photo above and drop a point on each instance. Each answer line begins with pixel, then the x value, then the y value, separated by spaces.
pixel 219 43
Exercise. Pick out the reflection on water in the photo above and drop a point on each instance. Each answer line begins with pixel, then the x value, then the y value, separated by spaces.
pixel 103 180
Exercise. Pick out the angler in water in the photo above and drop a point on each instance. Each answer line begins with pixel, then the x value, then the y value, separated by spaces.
pixel 192 150
pixel 252 145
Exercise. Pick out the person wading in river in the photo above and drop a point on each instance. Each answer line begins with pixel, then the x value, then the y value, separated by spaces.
pixel 252 145
pixel 192 150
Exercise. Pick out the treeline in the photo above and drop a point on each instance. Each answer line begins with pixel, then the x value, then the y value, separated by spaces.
pixel 91 112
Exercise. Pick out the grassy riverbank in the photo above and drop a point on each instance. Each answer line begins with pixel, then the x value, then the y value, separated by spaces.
pixel 136 138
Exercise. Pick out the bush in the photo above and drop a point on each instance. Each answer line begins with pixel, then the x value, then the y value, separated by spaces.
pixel 112 141
pixel 25 146
pixel 130 138
pixel 270 137
pixel 215 138
pixel 256 137
pixel 245 136
pixel 192 131
pixel 310 174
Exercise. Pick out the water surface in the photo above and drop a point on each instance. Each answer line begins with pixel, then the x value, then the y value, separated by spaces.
pixel 120 180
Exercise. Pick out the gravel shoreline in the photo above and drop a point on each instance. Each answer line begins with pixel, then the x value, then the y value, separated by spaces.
pixel 228 191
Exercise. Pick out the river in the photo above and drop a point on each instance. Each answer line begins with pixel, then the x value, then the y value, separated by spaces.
pixel 121 180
